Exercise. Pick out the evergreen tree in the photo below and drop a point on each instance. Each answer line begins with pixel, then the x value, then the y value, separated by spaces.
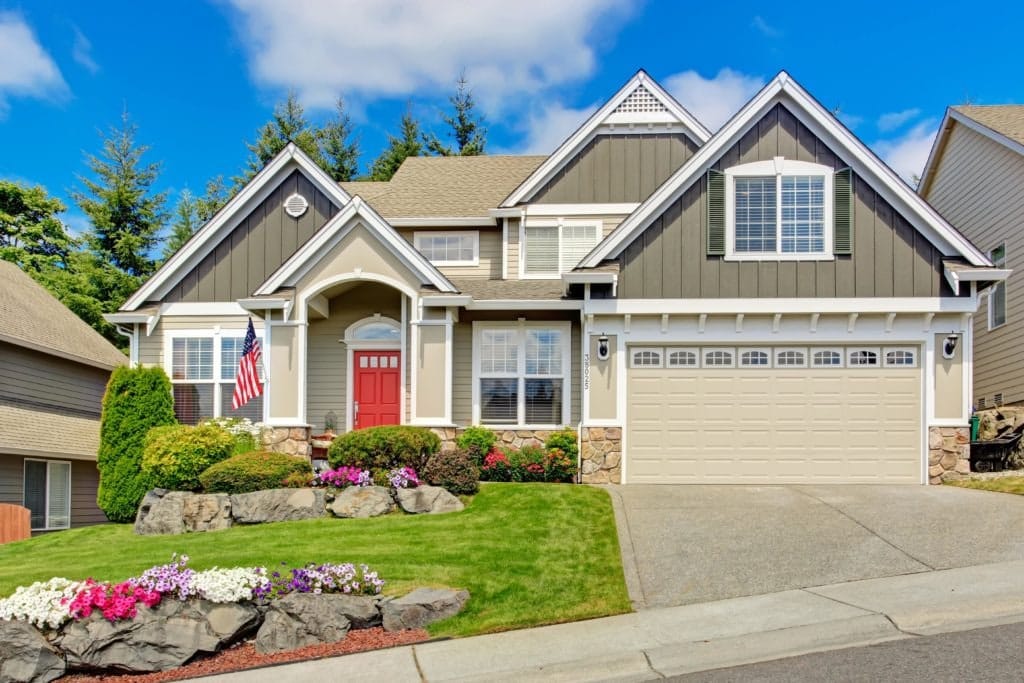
pixel 217 195
pixel 340 154
pixel 398 149
pixel 184 224
pixel 126 215
pixel 288 124
pixel 31 234
pixel 467 127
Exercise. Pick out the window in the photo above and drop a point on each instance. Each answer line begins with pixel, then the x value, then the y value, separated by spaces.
pixel 521 374
pixel 718 358
pixel 47 494
pixel 997 295
pixel 828 358
pixel 755 358
pixel 862 358
pixel 681 358
pixel 900 358
pixel 449 248
pixel 779 209
pixel 790 358
pixel 204 381
pixel 646 358
pixel 550 250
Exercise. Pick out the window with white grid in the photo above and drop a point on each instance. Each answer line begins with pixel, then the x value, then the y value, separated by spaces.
pixel 827 358
pixel 790 358
pixel 862 358
pixel 718 358
pixel 202 371
pixel 550 250
pixel 646 358
pixel 521 374
pixel 449 248
pixel 900 358
pixel 682 358
pixel 755 358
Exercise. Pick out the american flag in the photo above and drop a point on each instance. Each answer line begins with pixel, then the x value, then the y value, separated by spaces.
pixel 247 380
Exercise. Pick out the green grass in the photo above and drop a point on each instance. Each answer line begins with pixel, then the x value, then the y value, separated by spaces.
pixel 529 554
pixel 1001 485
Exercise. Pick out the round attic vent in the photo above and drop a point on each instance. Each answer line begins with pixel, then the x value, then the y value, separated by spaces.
pixel 296 205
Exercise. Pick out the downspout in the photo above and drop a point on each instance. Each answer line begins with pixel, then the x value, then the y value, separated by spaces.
pixel 132 360
pixel 585 338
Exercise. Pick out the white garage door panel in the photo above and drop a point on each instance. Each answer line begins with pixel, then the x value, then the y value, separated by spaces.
pixel 774 426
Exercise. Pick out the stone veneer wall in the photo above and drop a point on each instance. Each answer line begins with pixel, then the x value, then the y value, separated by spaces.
pixel 601 455
pixel 949 453
pixel 290 440
pixel 512 438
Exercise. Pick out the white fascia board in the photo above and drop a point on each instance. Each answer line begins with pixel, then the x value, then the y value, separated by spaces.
pixel 809 112
pixel 197 247
pixel 955 276
pixel 126 318
pixel 585 278
pixel 454 222
pixel 218 308
pixel 933 154
pixel 768 306
pixel 585 132
pixel 264 304
pixel 525 305
pixel 457 300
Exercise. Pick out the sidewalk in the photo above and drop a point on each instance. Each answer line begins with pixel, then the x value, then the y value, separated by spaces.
pixel 655 643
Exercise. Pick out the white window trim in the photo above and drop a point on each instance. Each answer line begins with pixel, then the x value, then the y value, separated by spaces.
pixel 559 223
pixel 908 349
pixel 474 234
pixel 766 351
pixel 642 349
pixel 850 350
pixel 217 334
pixel 777 167
pixel 685 349
pixel 711 349
pixel 779 350
pixel 990 306
pixel 372 344
pixel 46 502
pixel 520 327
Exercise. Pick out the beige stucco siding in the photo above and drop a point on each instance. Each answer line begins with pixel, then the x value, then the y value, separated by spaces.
pixel 430 365
pixel 978 186
pixel 603 381
pixel 949 381
pixel 489 266
pixel 31 377
pixel 890 258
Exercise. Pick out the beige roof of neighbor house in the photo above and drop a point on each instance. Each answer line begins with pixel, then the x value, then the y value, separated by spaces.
pixel 492 290
pixel 1005 119
pixel 32 431
pixel 30 316
pixel 446 187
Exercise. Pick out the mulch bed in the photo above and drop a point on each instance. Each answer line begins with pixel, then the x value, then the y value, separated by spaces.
pixel 243 656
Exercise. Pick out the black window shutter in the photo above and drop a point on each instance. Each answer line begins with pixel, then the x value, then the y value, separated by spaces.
pixel 842 223
pixel 716 213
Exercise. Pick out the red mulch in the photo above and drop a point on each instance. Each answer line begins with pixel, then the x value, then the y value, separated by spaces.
pixel 243 656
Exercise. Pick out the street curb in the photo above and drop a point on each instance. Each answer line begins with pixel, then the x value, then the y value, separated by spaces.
pixel 626 549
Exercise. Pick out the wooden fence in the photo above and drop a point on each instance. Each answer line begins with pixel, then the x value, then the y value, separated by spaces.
pixel 15 524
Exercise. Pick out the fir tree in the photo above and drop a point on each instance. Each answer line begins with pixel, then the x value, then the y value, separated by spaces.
pixel 184 224
pixel 288 124
pixel 467 127
pixel 340 154
pixel 398 149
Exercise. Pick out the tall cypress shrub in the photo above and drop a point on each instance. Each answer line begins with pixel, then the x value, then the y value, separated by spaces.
pixel 137 399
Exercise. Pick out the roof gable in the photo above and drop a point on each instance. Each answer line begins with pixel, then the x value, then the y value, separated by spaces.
pixel 808 111
pixel 640 102
pixel 1003 124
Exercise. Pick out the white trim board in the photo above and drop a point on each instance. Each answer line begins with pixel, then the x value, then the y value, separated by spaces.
pixel 938 146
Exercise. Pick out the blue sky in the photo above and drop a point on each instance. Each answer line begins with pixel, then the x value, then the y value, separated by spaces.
pixel 198 78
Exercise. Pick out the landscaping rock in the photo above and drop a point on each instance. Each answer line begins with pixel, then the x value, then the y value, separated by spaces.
pixel 362 501
pixel 25 655
pixel 157 639
pixel 421 607
pixel 206 512
pixel 277 505
pixel 177 512
pixel 300 619
pixel 427 499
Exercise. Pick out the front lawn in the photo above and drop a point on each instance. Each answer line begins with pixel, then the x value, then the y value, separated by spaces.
pixel 529 554
pixel 1000 484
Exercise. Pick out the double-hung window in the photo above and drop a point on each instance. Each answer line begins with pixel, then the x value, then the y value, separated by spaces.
pixel 550 249
pixel 47 494
pixel 997 295
pixel 449 248
pixel 521 374
pixel 779 209
pixel 202 368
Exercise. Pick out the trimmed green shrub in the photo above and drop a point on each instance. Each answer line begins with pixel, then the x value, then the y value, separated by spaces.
pixel 175 455
pixel 136 400
pixel 477 441
pixel 559 466
pixel 384 448
pixel 454 470
pixel 527 463
pixel 254 471
pixel 565 440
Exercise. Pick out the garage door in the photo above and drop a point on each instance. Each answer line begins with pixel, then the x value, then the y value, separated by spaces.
pixel 773 415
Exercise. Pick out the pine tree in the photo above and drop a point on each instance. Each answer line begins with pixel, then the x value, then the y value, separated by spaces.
pixel 288 124
pixel 216 196
pixel 467 127
pixel 340 153
pixel 398 149
pixel 184 224
pixel 31 234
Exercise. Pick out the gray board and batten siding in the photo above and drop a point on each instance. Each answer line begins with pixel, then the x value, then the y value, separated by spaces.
pixel 613 169
pixel 256 247
pixel 890 258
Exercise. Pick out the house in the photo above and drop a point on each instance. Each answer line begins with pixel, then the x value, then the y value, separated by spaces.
pixel 53 372
pixel 767 304
pixel 975 178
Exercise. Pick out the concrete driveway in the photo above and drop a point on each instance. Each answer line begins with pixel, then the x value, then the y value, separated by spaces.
pixel 690 544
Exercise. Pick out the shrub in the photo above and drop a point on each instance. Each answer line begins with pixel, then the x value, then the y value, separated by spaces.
pixel 254 471
pixel 558 466
pixel 384 448
pixel 527 463
pixel 496 467
pixel 298 480
pixel 246 433
pixel 564 440
pixel 136 400
pixel 175 455
pixel 454 470
pixel 478 442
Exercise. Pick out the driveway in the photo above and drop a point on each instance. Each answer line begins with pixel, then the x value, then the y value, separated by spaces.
pixel 690 544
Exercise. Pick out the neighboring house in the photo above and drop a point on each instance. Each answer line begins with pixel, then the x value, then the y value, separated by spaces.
pixel 975 178
pixel 767 304
pixel 53 372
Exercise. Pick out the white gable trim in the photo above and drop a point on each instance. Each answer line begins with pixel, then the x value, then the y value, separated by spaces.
pixel 809 112
pixel 944 131
pixel 202 243
pixel 335 230
pixel 606 115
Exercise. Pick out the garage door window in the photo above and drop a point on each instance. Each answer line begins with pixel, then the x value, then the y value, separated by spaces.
pixel 646 358
pixel 681 358
pixel 755 358
pixel 718 358
pixel 863 358
pixel 828 358
pixel 900 358
pixel 790 358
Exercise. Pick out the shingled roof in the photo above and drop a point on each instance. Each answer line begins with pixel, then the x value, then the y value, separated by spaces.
pixel 1005 119
pixel 446 187
pixel 30 316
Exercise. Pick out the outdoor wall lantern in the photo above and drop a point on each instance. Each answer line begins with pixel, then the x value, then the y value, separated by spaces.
pixel 949 345
pixel 603 350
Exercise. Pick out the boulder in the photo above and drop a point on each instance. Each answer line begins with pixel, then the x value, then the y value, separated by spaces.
pixel 25 655
pixel 421 607
pixel 427 499
pixel 301 619
pixel 158 638
pixel 177 512
pixel 362 501
pixel 277 505
pixel 206 512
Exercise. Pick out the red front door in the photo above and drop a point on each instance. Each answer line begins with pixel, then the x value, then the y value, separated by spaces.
pixel 378 380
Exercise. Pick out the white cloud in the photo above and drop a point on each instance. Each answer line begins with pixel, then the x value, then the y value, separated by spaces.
pixel 765 28
pixel 28 70
pixel 908 153
pixel 548 127
pixel 893 120
pixel 359 49
pixel 713 100
pixel 81 52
